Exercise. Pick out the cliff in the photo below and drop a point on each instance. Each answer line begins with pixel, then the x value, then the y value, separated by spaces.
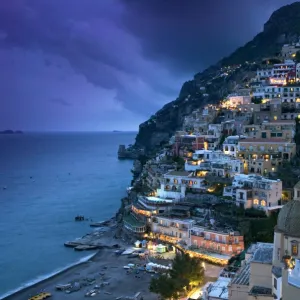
pixel 212 85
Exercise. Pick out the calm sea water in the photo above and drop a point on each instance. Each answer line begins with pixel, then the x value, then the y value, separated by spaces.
pixel 49 179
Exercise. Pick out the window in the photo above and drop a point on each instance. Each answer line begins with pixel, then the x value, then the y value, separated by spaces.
pixel 298 194
pixel 263 203
pixel 279 134
pixel 273 134
pixel 255 202
pixel 264 135
pixel 230 248
pixel 275 283
pixel 175 181
pixel 294 248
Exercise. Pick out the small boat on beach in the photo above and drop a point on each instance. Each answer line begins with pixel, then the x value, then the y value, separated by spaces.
pixel 100 224
pixel 85 247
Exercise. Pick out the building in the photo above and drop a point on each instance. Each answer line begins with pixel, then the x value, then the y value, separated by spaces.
pixel 214 163
pixel 290 50
pixel 255 191
pixel 234 100
pixel 286 278
pixel 173 230
pixel 280 129
pixel 188 141
pixel 230 145
pixel 262 155
pixel 220 241
pixel 253 281
pixel 218 290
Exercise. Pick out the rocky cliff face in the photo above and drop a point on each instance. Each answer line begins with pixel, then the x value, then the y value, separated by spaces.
pixel 210 86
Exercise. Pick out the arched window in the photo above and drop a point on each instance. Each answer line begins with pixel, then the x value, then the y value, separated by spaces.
pixel 263 203
pixel 231 148
pixel 226 148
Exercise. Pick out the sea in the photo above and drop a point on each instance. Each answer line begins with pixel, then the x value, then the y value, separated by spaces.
pixel 46 179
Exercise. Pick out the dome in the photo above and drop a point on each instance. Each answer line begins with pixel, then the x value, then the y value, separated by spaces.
pixel 288 221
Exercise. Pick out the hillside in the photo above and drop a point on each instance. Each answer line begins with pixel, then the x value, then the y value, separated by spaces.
pixel 210 85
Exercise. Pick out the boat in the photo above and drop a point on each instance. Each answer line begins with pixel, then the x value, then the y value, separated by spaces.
pixel 63 287
pixel 79 218
pixel 85 247
pixel 100 224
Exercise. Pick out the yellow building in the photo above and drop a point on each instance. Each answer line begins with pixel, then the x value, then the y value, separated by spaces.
pixel 280 129
pixel 262 155
pixel 254 279
pixel 286 255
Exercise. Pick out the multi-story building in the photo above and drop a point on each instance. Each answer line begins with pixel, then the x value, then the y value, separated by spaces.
pixel 219 241
pixel 290 50
pixel 173 230
pixel 263 155
pixel 233 100
pixel 230 145
pixel 255 191
pixel 188 141
pixel 215 163
pixel 280 129
pixel 269 110
pixel 254 281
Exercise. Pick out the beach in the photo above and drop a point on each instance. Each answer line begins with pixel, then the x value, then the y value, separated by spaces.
pixel 105 269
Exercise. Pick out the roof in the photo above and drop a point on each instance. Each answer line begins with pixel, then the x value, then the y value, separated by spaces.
pixel 277 271
pixel 265 141
pixel 288 221
pixel 259 290
pixel 243 277
pixel 179 173
pixel 263 255
pixel 219 289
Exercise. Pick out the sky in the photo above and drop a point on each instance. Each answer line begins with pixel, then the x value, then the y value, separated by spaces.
pixel 94 65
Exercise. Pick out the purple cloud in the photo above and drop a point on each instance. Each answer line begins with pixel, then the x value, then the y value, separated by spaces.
pixel 111 58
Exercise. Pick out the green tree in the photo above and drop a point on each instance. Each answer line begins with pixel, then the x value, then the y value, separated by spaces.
pixel 186 272
pixel 165 286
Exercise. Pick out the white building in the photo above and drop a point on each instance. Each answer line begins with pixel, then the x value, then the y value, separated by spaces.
pixel 218 290
pixel 215 162
pixel 255 191
pixel 234 99
pixel 176 183
pixel 230 145
pixel 176 230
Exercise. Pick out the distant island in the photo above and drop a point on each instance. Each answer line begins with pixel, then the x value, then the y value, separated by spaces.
pixel 117 131
pixel 11 132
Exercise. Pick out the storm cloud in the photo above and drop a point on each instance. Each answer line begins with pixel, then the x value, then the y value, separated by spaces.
pixel 111 59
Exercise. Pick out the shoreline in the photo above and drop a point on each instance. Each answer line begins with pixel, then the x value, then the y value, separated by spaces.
pixel 18 291
pixel 27 286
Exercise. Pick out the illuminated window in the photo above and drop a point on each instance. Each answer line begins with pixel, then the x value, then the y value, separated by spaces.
pixel 175 181
pixel 195 182
pixel 275 118
pixel 294 248
pixel 255 202
pixel 263 203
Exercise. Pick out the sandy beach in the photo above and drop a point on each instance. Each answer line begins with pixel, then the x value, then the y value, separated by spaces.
pixel 107 270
